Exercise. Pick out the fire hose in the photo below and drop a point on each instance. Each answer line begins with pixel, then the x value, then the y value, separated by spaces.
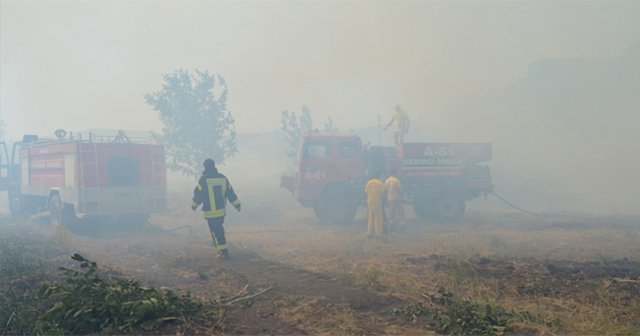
pixel 511 204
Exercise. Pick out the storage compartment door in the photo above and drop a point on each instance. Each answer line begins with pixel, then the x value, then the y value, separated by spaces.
pixel 70 170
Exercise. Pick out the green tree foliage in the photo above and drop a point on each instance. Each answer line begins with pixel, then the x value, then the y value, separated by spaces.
pixel 295 127
pixel 197 124
pixel 330 127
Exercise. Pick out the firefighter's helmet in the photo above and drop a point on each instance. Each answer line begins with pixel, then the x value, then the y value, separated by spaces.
pixel 209 164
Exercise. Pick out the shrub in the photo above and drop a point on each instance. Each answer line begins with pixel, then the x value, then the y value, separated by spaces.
pixel 20 273
pixel 452 316
pixel 466 317
pixel 88 303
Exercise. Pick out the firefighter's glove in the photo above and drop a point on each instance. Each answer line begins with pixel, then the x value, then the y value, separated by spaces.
pixel 194 207
pixel 238 207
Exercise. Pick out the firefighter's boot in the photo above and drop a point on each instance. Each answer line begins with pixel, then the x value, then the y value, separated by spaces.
pixel 223 255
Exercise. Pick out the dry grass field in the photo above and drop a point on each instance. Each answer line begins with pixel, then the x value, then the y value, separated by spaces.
pixel 508 273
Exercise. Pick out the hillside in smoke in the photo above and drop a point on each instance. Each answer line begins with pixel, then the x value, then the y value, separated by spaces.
pixel 565 138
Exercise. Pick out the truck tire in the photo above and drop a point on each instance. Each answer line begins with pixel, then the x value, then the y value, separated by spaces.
pixel 320 210
pixel 15 203
pixel 60 213
pixel 336 207
pixel 444 209
pixel 55 210
pixel 341 209
pixel 449 208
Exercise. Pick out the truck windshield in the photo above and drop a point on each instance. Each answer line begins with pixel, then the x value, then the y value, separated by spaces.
pixel 317 150
pixel 348 148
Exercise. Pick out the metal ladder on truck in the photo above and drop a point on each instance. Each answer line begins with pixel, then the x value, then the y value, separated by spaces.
pixel 89 174
pixel 157 177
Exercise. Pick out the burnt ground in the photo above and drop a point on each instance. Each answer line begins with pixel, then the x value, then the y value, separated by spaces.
pixel 294 301
pixel 545 278
pixel 329 280
pixel 316 294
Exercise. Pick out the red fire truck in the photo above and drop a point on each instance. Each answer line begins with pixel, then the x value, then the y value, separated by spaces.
pixel 437 178
pixel 74 178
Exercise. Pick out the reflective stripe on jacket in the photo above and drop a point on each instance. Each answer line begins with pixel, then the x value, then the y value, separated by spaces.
pixel 213 191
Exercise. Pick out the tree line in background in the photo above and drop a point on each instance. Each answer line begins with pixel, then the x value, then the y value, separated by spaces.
pixel 198 125
pixel 295 126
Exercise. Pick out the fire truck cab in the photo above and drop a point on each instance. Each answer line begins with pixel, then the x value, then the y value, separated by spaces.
pixel 329 176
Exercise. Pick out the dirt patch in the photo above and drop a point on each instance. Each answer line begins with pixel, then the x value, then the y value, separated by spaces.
pixel 314 297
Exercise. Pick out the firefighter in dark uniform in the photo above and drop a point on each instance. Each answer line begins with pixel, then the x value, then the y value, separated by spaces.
pixel 213 191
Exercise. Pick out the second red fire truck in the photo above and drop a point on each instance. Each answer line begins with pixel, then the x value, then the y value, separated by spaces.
pixel 73 178
pixel 437 178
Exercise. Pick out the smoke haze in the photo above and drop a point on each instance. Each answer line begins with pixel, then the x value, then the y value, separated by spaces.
pixel 552 85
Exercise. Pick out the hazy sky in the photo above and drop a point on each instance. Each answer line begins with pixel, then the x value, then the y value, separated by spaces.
pixel 82 65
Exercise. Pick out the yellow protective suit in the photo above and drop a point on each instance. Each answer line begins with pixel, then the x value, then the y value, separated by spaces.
pixel 375 192
pixel 400 121
pixel 394 199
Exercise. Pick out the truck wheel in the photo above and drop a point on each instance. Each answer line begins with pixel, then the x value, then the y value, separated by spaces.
pixel 340 209
pixel 320 210
pixel 449 208
pixel 15 203
pixel 59 213
pixel 55 210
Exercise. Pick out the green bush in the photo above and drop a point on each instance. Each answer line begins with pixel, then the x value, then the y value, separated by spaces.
pixel 88 303
pixel 452 316
pixel 21 273
pixel 16 261
pixel 466 317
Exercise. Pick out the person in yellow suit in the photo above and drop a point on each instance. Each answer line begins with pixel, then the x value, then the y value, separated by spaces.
pixel 374 191
pixel 394 198
pixel 400 121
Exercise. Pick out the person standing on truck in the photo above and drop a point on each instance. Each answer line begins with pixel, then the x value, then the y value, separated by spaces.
pixel 374 191
pixel 401 123
pixel 213 191
pixel 394 199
